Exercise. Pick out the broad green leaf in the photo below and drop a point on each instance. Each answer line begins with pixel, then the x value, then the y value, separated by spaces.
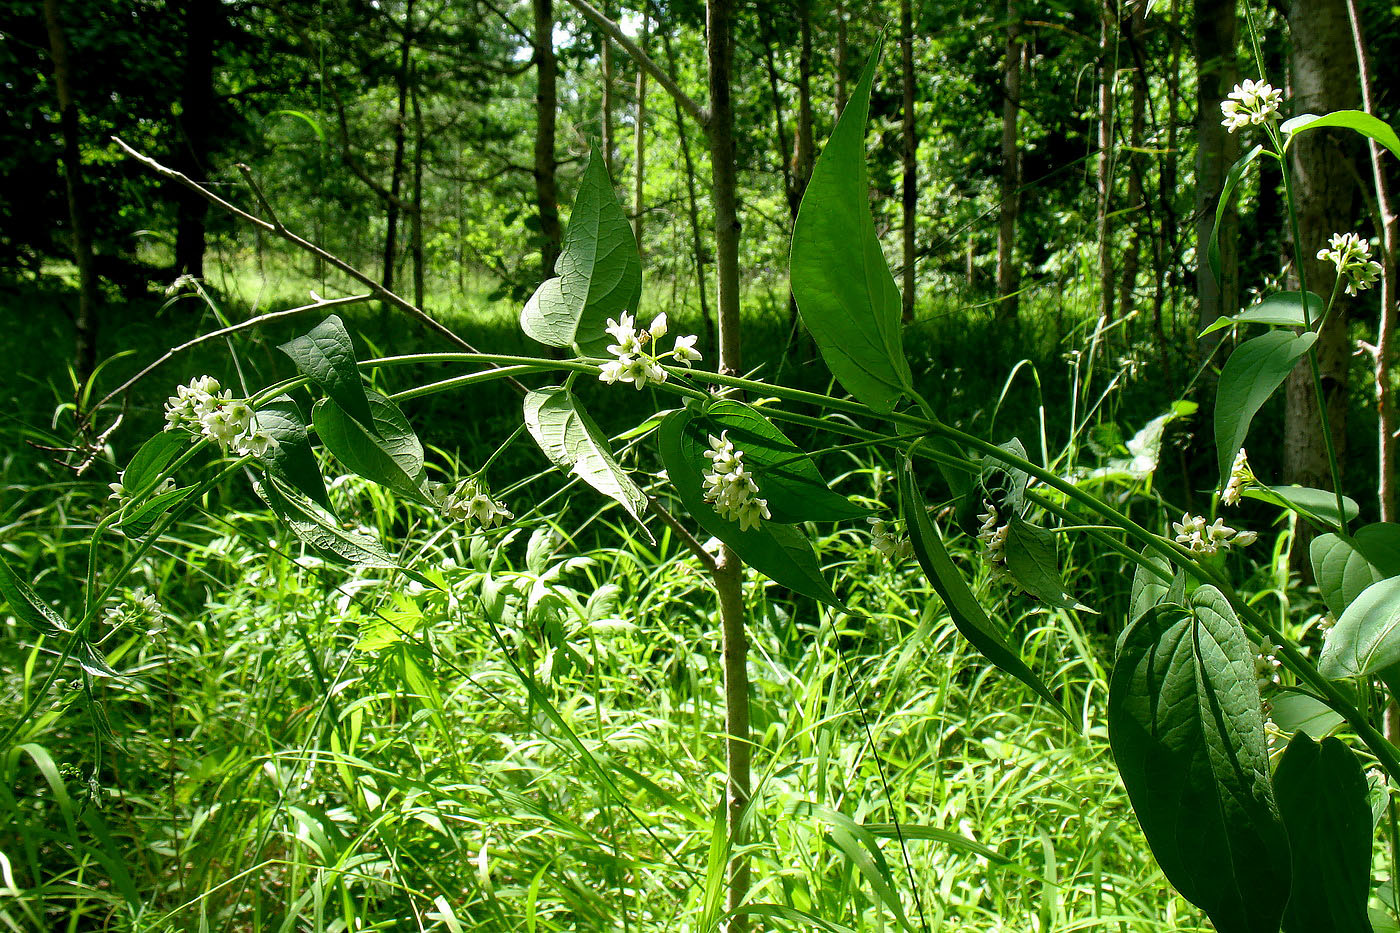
pixel 1005 486
pixel 1321 793
pixel 137 519
pixel 1256 368
pixel 390 455
pixel 152 459
pixel 1294 711
pixel 1281 308
pixel 1185 725
pixel 292 458
pixel 326 356
pixel 840 279
pixel 1318 506
pixel 598 273
pixel 1227 193
pixel 778 551
pixel 562 427
pixel 786 476
pixel 1034 561
pixel 1358 120
pixel 1366 637
pixel 1344 567
pixel 317 528
pixel 962 606
pixel 1149 589
pixel 27 606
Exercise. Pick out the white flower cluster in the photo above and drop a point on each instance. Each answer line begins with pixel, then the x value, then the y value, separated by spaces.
pixel 1252 102
pixel 730 486
pixel 470 500
pixel 637 360
pixel 993 534
pixel 1267 666
pixel 1240 477
pixel 139 608
pixel 1200 538
pixel 122 496
pixel 1352 257
pixel 887 537
pixel 205 411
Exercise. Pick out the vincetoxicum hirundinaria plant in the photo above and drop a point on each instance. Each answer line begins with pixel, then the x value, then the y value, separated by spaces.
pixel 1257 840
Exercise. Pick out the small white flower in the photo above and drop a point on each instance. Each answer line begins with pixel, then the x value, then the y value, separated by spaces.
pixel 1352 256
pixel 657 330
pixel 1195 535
pixel 1240 477
pixel 684 351
pixel 1250 103
pixel 119 494
pixel 613 371
pixel 258 443
pixel 472 501
pixel 637 360
pixel 730 487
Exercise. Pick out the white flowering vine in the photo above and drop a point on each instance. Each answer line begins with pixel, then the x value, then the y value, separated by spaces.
pixel 1240 477
pixel 637 360
pixel 1250 104
pixel 471 501
pixel 204 409
pixel 1351 254
pixel 1203 539
pixel 730 486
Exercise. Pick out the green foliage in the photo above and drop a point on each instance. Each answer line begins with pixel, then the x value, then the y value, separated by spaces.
pixel 1252 373
pixel 326 356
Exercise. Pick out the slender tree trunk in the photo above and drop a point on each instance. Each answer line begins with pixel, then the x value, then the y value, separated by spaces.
pixel 85 323
pixel 1165 247
pixel 640 143
pixel 1008 271
pixel 195 133
pixel 1108 33
pixel 1325 191
pixel 1137 126
pixel 1216 38
pixel 608 142
pixel 546 107
pixel 416 221
pixel 692 202
pixel 910 186
pixel 780 136
pixel 729 574
pixel 391 232
pixel 840 63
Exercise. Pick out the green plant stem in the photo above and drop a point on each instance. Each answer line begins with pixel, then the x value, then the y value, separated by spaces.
pixel 1313 365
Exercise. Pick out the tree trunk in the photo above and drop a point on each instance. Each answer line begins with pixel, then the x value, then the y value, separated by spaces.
pixel 639 144
pixel 840 63
pixel 729 574
pixel 910 186
pixel 1137 125
pixel 1008 272
pixel 1108 33
pixel 195 133
pixel 692 202
pixel 85 323
pixel 610 11
pixel 416 221
pixel 391 217
pixel 1325 195
pixel 780 137
pixel 1216 38
pixel 546 106
pixel 1165 246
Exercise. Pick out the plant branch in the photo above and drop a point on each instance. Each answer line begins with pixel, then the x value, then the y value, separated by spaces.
pixel 614 32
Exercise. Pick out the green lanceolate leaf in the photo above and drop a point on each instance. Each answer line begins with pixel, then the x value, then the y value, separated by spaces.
pixel 1345 567
pixel 292 458
pixel 843 286
pixel 27 606
pixel 326 356
pixel 1188 737
pixel 1358 120
pixel 318 529
pixel 962 606
pixel 1318 506
pixel 1321 793
pixel 562 427
pixel 1296 711
pixel 1034 561
pixel 138 518
pixel 1232 179
pixel 778 551
pixel 1256 368
pixel 1366 638
pixel 152 459
pixel 390 455
pixel 789 480
pixel 1284 309
pixel 599 271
